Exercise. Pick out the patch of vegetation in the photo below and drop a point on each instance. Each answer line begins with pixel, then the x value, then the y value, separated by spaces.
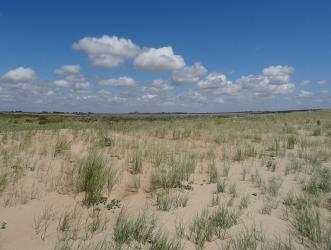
pixel 173 174
pixel 319 181
pixel 213 173
pixel 93 175
pixel 136 165
pixel 291 141
pixel 169 199
pixel 206 225
pixel 221 185
pixel 248 238
pixel 139 229
pixel 62 145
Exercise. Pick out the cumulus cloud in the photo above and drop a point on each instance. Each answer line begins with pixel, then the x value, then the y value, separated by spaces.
pixel 275 80
pixel 161 59
pixel 123 81
pixel 189 74
pixel 322 82
pixel 68 69
pixel 192 96
pixel 278 74
pixel 19 75
pixel 106 51
pixel 73 78
pixel 62 83
pixel 305 82
pixel 278 70
pixel 263 86
pixel 148 97
pixel 214 81
pixel 108 96
pixel 304 93
pixel 81 86
pixel 158 87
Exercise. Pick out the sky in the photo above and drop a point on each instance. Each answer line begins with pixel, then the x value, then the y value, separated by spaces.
pixel 165 56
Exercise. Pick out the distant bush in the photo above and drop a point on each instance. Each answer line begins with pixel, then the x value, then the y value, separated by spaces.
pixel 317 131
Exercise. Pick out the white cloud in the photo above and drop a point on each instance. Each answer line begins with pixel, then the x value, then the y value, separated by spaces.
pixel 278 74
pixel 192 96
pixel 162 59
pixel 67 70
pixel 106 51
pixel 149 96
pixel 50 93
pixel 278 70
pixel 62 83
pixel 111 97
pixel 305 82
pixel 123 81
pixel 81 86
pixel 263 86
pixel 274 80
pixel 214 81
pixel 19 75
pixel 304 93
pixel 189 74
pixel 322 82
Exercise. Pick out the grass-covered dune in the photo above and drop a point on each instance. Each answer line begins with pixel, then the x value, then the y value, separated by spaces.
pixel 245 181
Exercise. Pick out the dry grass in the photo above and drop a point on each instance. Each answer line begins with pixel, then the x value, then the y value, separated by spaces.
pixel 189 183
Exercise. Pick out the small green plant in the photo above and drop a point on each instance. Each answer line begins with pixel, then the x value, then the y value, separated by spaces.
pixel 169 199
pixel 61 146
pixel 221 185
pixel 180 229
pixel 213 173
pixel 293 166
pixel 243 173
pixel 233 190
pixel 139 229
pixel 223 219
pixel 317 131
pixel 291 141
pixel 275 146
pixel 42 222
pixel 267 207
pixel 96 224
pixel 307 222
pixel 319 181
pixel 244 201
pixel 161 241
pixel 226 169
pixel 93 175
pixel 173 174
pixel 201 229
pixel 239 155
pixel 3 181
pixel 271 164
pixel 215 200
pixel 257 179
pixel 69 225
pixel 249 238
pixel 136 162
pixel 289 199
pixel 274 185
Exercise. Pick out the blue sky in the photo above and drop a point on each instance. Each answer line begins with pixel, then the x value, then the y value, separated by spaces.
pixel 122 56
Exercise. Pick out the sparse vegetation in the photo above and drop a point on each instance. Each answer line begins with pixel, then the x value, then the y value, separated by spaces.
pixel 93 175
pixel 167 199
pixel 139 229
pixel 100 182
